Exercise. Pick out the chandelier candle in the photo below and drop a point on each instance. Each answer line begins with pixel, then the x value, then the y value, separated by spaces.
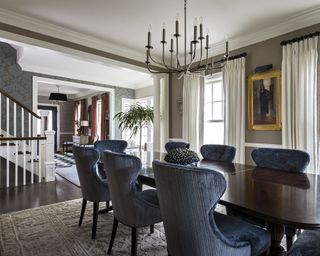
pixel 164 33
pixel 195 30
pixel 149 36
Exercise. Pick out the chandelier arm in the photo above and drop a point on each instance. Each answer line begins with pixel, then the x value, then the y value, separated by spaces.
pixel 200 62
pixel 188 68
pixel 193 57
pixel 171 68
pixel 177 53
pixel 207 56
pixel 160 72
pixel 159 63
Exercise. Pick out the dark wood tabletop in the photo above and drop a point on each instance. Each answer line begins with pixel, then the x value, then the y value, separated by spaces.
pixel 279 197
pixel 147 177
pixel 283 197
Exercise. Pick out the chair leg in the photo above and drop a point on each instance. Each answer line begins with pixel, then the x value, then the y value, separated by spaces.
pixel 289 241
pixel 113 235
pixel 133 241
pixel 95 219
pixel 83 209
pixel 151 229
pixel 107 209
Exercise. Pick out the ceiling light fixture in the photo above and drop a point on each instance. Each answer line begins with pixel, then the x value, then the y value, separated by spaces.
pixel 192 66
pixel 59 97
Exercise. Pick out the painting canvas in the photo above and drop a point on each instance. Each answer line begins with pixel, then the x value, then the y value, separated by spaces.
pixel 264 104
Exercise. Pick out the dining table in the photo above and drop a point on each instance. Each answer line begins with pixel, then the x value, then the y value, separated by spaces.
pixel 280 198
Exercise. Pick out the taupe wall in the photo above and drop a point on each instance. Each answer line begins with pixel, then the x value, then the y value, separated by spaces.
pixel 143 92
pixel 266 52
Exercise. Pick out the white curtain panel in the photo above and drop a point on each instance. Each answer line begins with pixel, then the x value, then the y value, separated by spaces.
pixel 234 110
pixel 192 117
pixel 299 98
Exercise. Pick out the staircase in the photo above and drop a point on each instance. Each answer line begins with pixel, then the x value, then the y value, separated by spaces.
pixel 25 158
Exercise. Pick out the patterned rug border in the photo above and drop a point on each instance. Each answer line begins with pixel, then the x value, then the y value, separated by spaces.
pixel 52 230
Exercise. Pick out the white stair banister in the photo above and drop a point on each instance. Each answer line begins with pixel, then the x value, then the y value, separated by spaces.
pixel 49 165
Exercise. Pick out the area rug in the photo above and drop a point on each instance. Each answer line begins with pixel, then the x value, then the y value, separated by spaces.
pixel 70 174
pixel 53 231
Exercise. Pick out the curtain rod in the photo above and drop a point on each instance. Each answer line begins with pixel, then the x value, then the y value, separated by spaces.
pixel 297 39
pixel 244 54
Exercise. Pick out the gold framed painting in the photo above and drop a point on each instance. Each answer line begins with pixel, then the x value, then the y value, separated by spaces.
pixel 264 101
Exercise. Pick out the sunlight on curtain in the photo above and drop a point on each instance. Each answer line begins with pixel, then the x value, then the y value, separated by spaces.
pixel 234 114
pixel 299 100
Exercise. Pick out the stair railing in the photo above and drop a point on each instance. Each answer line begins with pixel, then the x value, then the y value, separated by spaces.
pixel 25 151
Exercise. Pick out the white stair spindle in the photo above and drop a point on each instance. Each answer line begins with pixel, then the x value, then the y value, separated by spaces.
pixel 8 143
pixel 23 147
pixel 16 144
pixel 32 161
pixel 40 146
pixel 30 147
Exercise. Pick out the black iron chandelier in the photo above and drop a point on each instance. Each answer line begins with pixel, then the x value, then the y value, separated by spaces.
pixel 196 64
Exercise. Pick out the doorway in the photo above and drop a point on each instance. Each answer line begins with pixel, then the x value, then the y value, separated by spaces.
pixel 49 121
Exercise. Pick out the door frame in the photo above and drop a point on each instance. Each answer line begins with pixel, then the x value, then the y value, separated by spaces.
pixel 111 91
pixel 57 109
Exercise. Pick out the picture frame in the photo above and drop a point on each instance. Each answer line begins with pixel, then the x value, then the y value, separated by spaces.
pixel 264 101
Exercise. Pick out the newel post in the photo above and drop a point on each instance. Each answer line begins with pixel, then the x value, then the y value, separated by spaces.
pixel 49 166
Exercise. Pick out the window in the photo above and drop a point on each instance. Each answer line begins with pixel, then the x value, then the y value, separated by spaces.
pixel 214 110
pixel 147 131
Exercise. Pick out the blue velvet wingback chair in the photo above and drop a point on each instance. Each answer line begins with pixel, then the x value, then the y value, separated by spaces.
pixel 93 187
pixel 307 244
pixel 279 159
pixel 222 153
pixel 188 197
pixel 283 160
pixel 118 146
pixel 176 144
pixel 290 160
pixel 131 207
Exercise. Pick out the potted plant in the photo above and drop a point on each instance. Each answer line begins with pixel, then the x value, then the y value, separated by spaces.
pixel 135 119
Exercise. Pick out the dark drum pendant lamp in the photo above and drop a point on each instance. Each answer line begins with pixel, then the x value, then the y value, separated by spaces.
pixel 57 96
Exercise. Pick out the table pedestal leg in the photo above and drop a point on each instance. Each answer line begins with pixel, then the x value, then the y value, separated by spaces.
pixel 277 233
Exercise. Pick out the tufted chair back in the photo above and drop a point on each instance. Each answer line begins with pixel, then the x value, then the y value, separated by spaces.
pixel 222 153
pixel 282 159
pixel 176 144
pixel 112 145
pixel 92 187
pixel 129 204
pixel 188 197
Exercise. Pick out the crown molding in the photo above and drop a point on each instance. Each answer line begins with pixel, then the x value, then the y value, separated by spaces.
pixel 42 27
pixel 301 20
pixel 44 70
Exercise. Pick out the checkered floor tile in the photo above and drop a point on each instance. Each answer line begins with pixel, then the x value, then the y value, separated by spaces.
pixel 64 160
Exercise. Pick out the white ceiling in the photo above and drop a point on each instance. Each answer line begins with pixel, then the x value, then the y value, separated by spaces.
pixel 45 61
pixel 124 22
pixel 45 88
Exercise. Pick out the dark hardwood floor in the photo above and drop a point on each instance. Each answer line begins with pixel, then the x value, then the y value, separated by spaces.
pixel 3 174
pixel 38 194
